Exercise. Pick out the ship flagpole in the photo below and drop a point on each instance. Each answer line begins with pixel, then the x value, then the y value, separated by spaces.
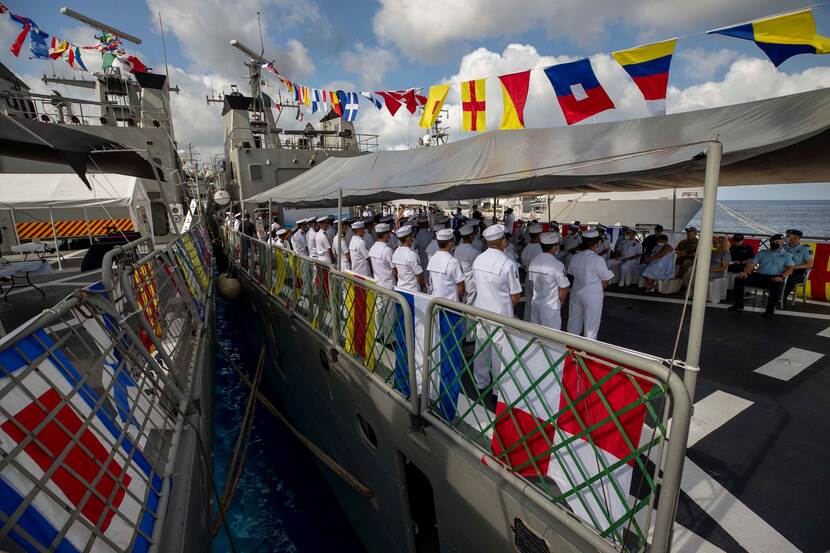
pixel 339 226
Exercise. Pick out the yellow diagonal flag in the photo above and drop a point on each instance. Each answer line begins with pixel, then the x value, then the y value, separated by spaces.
pixel 437 94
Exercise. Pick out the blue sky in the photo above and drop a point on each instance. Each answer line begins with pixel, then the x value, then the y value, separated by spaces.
pixel 392 44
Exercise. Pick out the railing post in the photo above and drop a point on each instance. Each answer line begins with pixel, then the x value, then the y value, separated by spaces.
pixel 702 260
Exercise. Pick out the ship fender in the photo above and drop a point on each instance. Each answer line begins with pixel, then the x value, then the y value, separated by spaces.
pixel 229 287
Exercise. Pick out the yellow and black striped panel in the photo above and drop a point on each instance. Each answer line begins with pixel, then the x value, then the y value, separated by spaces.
pixel 72 229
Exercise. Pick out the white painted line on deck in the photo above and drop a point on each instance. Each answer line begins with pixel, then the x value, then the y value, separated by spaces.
pixel 686 541
pixel 739 521
pixel 714 411
pixel 825 333
pixel 785 312
pixel 789 364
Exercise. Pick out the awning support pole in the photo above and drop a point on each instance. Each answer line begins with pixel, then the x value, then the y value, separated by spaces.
pixel 14 225
pixel 339 227
pixel 548 197
pixel 674 209
pixel 55 238
pixel 702 262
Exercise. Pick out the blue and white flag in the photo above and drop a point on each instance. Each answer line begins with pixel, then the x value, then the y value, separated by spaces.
pixel 350 103
pixel 317 103
pixel 372 98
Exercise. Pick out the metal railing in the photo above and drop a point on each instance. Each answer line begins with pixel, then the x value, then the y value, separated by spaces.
pixel 579 426
pixel 94 394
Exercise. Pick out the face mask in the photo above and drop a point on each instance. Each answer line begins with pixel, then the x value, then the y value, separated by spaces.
pixel 774 245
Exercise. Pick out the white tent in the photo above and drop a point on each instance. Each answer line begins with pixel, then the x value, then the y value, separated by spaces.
pixel 55 198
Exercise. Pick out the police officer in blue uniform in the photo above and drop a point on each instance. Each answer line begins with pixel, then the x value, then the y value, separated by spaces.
pixel 802 258
pixel 768 270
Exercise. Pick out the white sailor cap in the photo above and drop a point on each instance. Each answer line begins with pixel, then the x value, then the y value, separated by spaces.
pixel 493 232
pixel 381 227
pixel 444 234
pixel 534 228
pixel 592 233
pixel 357 225
pixel 467 230
pixel 281 232
pixel 550 238
pixel 404 231
pixel 237 215
pixel 323 219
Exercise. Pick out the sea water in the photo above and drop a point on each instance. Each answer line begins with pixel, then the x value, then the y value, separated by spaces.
pixel 282 504
pixel 810 216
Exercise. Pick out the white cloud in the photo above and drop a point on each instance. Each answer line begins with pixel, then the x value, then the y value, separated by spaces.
pixel 369 64
pixel 700 64
pixel 429 29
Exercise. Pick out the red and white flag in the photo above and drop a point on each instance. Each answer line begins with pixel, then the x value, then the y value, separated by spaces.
pixel 552 422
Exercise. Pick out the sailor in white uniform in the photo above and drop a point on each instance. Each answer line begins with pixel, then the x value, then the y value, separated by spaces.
pixel 298 240
pixel 380 256
pixel 407 263
pixel 498 289
pixel 549 284
pixel 331 230
pixel 280 239
pixel 445 275
pixel 311 237
pixel 570 244
pixel 478 243
pixel 591 276
pixel 534 246
pixel 237 221
pixel 324 252
pixel 604 247
pixel 358 251
pixel 340 247
pixel 625 262
pixel 466 254
pixel 432 247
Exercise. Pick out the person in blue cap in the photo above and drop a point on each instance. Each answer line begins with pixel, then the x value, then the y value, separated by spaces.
pixel 768 270
pixel 802 258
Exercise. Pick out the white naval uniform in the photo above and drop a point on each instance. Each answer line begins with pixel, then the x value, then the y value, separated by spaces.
pixel 408 265
pixel 360 256
pixel 547 275
pixel 299 242
pixel 466 254
pixel 589 272
pixel 529 253
pixel 432 249
pixel 422 239
pixel 496 279
pixel 445 275
pixel 509 223
pixel 380 256
pixel 604 245
pixel 627 271
pixel 311 240
pixel 341 248
pixel 323 247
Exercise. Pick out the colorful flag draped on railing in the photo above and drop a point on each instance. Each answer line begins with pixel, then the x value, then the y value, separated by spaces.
pixel 563 429
pixel 578 91
pixel 473 105
pixel 648 66
pixel 432 107
pixel 417 309
pixel 514 89
pixel 361 322
pixel 783 36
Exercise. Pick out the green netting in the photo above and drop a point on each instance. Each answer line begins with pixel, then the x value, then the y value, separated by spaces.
pixel 582 430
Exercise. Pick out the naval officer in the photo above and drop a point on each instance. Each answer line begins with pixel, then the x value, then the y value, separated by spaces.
pixel 407 263
pixel 311 237
pixel 466 254
pixel 340 247
pixel 324 252
pixel 802 259
pixel 298 238
pixel 445 275
pixel 498 289
pixel 591 276
pixel 626 258
pixel 768 270
pixel 358 252
pixel 549 284
pixel 380 256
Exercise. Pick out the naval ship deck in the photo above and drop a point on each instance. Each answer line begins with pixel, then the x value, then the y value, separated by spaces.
pixel 756 469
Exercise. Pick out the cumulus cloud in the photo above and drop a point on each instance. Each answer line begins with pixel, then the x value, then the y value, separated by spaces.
pixel 700 64
pixel 433 29
pixel 369 64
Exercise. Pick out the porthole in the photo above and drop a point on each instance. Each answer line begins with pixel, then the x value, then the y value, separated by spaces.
pixel 366 431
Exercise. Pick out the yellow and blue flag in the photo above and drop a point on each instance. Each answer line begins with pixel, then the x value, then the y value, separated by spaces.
pixel 783 36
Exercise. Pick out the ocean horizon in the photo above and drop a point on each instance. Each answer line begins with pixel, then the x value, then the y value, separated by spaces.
pixel 810 216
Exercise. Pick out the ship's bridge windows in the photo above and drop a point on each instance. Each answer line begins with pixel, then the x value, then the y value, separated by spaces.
pixel 255 171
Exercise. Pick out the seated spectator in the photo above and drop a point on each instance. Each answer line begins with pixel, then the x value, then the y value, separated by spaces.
pixel 659 265
pixel 650 241
pixel 686 250
pixel 768 270
pixel 720 259
pixel 802 259
pixel 740 254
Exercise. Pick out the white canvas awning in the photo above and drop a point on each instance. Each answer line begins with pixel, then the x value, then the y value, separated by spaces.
pixel 775 141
